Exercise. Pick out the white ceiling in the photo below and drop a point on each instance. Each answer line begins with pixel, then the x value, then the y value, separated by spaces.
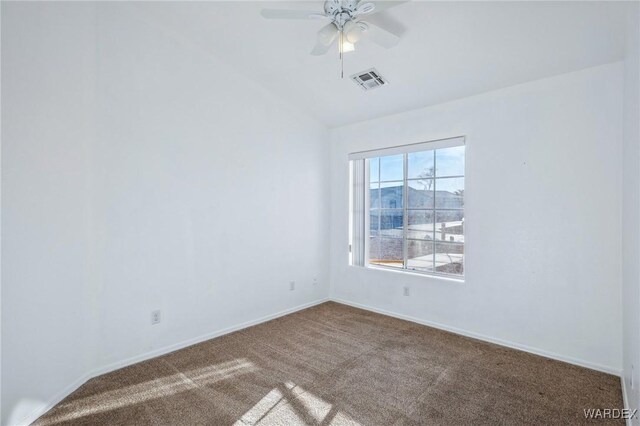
pixel 449 50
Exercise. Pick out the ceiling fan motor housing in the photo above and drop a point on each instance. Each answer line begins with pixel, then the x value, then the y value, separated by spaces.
pixel 341 11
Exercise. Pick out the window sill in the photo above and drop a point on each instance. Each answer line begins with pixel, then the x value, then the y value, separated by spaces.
pixel 413 273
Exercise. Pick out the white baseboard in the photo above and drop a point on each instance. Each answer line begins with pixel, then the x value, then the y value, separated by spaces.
pixel 625 399
pixel 33 416
pixel 501 342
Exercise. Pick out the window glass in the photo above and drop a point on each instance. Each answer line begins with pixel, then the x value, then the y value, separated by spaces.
pixel 449 258
pixel 420 255
pixel 386 252
pixel 450 161
pixel 416 211
pixel 449 226
pixel 374 222
pixel 374 169
pixel 391 223
pixel 420 193
pixel 374 195
pixel 420 165
pixel 391 195
pixel 449 193
pixel 391 168
pixel 420 224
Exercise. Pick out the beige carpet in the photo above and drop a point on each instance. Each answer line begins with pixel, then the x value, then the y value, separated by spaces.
pixel 333 365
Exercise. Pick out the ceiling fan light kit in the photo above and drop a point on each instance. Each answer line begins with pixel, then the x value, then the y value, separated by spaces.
pixel 353 31
pixel 345 25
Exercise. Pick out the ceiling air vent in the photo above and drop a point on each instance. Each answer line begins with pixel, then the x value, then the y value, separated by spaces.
pixel 369 79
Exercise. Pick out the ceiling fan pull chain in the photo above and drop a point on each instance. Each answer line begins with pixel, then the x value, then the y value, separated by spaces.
pixel 341 54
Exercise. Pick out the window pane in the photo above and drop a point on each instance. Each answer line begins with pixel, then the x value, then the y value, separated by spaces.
pixel 391 195
pixel 420 194
pixel 416 210
pixel 386 251
pixel 374 195
pixel 450 226
pixel 391 167
pixel 449 193
pixel 420 165
pixel 391 223
pixel 420 224
pixel 449 258
pixel 450 161
pixel 374 169
pixel 374 222
pixel 420 255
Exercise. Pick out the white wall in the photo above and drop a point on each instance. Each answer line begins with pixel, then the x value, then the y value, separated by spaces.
pixel 141 173
pixel 48 108
pixel 543 216
pixel 212 192
pixel 631 214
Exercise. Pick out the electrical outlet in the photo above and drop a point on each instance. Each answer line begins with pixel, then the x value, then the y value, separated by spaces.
pixel 405 290
pixel 315 281
pixel 155 317
pixel 292 285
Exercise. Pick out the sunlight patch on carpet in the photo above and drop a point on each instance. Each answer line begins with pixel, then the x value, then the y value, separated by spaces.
pixel 153 389
pixel 291 404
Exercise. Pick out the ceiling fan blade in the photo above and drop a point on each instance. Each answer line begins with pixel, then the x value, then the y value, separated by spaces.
pixel 291 14
pixel 320 49
pixel 381 36
pixel 364 7
pixel 326 37
pixel 327 34
pixel 386 4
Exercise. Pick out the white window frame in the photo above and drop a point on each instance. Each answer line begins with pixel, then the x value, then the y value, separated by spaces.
pixel 360 217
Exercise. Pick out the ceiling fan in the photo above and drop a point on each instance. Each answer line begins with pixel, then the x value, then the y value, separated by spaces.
pixel 346 25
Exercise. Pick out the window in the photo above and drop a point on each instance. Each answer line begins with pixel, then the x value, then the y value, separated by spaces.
pixel 407 208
